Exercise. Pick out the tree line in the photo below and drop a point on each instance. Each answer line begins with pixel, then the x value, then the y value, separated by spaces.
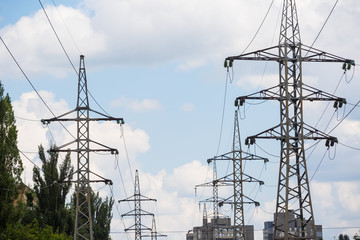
pixel 45 211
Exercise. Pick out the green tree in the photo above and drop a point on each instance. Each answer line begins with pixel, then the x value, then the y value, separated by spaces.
pixel 51 195
pixel 10 162
pixel 32 231
pixel 102 216
pixel 356 236
pixel 344 237
pixel 101 212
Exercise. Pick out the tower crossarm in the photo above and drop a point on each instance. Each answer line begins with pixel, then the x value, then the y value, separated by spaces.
pixel 133 212
pixel 102 148
pixel 137 198
pixel 66 118
pixel 211 200
pixel 309 133
pixel 309 93
pixel 272 54
pixel 229 201
pixel 223 181
pixel 267 54
pixel 316 55
pixel 248 178
pixel 252 157
pixel 230 157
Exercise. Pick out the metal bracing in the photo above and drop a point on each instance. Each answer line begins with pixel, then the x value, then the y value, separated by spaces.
pixel 137 212
pixel 83 219
pixel 238 179
pixel 215 198
pixel 293 184
pixel 204 234
pixel 239 225
pixel 235 180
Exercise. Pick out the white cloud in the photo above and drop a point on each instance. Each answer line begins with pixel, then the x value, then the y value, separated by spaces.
pixel 137 105
pixel 336 205
pixel 33 35
pixel 33 133
pixel 188 107
pixel 150 32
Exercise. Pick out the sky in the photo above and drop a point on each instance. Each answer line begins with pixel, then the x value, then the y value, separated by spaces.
pixel 159 65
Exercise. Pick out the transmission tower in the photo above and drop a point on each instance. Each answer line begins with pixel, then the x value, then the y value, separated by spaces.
pixel 137 212
pixel 236 180
pixel 215 183
pixel 154 234
pixel 204 235
pixel 293 193
pixel 83 219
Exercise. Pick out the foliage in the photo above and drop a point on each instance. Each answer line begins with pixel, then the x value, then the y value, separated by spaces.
pixel 356 236
pixel 101 214
pixel 32 231
pixel 51 195
pixel 344 237
pixel 10 162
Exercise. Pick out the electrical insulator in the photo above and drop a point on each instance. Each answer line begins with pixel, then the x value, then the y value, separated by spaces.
pixel 242 102
pixel 225 64
pixel 344 66
pixel 348 66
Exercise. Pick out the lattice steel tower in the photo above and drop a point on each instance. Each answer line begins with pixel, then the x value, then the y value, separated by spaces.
pixel 293 195
pixel 235 180
pixel 84 145
pixel 137 212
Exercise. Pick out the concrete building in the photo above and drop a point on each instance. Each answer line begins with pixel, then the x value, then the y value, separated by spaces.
pixel 224 227
pixel 268 231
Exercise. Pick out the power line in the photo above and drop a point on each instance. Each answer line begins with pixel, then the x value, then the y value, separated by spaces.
pixel 66 26
pixel 122 135
pixel 33 87
pixel 322 27
pixel 262 22
pixel 62 46
pixel 64 50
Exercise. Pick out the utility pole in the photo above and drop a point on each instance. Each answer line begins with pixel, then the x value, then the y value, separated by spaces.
pixel 293 194
pixel 137 212
pixel 83 219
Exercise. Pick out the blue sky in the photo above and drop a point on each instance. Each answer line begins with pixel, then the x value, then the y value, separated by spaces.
pixel 159 65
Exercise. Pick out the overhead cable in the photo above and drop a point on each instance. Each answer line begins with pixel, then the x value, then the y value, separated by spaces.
pixel 33 87
pixel 322 27
pixel 62 46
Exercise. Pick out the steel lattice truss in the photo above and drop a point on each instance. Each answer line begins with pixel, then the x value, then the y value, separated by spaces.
pixel 137 212
pixel 235 180
pixel 83 219
pixel 293 186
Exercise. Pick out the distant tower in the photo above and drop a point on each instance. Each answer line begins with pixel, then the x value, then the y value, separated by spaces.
pixel 236 180
pixel 137 212
pixel 154 234
pixel 215 183
pixel 204 234
pixel 83 219
pixel 293 187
